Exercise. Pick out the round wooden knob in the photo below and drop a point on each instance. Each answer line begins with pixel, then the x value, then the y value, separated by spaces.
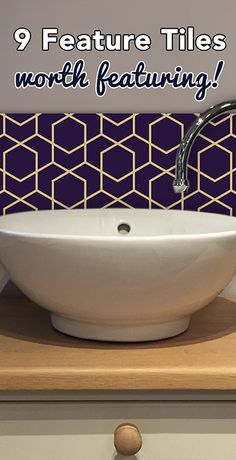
pixel 127 439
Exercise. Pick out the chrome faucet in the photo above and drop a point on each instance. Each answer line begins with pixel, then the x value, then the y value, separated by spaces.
pixel 181 183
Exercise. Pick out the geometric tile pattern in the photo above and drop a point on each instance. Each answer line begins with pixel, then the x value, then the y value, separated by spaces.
pixel 52 161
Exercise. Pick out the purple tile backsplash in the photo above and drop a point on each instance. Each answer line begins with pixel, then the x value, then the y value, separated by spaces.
pixel 52 161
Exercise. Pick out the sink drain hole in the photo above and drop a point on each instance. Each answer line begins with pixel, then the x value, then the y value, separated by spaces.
pixel 124 228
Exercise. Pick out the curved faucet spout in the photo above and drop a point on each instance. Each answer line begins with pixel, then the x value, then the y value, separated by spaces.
pixel 181 184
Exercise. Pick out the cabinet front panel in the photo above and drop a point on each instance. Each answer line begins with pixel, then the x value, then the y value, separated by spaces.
pixel 85 430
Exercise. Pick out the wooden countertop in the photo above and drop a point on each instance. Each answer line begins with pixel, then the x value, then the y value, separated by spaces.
pixel 33 356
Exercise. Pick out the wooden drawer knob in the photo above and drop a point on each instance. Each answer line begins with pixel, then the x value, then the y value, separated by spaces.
pixel 127 439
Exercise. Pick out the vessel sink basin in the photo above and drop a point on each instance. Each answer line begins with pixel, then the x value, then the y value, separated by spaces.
pixel 119 274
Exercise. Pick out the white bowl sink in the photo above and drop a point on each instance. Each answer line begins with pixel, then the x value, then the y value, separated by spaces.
pixel 119 274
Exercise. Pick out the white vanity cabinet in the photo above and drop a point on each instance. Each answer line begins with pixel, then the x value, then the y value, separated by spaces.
pixel 63 398
pixel 84 430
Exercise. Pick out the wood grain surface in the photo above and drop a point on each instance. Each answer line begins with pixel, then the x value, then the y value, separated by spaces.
pixel 34 356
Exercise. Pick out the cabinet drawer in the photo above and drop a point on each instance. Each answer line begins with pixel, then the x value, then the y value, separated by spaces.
pixel 85 430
